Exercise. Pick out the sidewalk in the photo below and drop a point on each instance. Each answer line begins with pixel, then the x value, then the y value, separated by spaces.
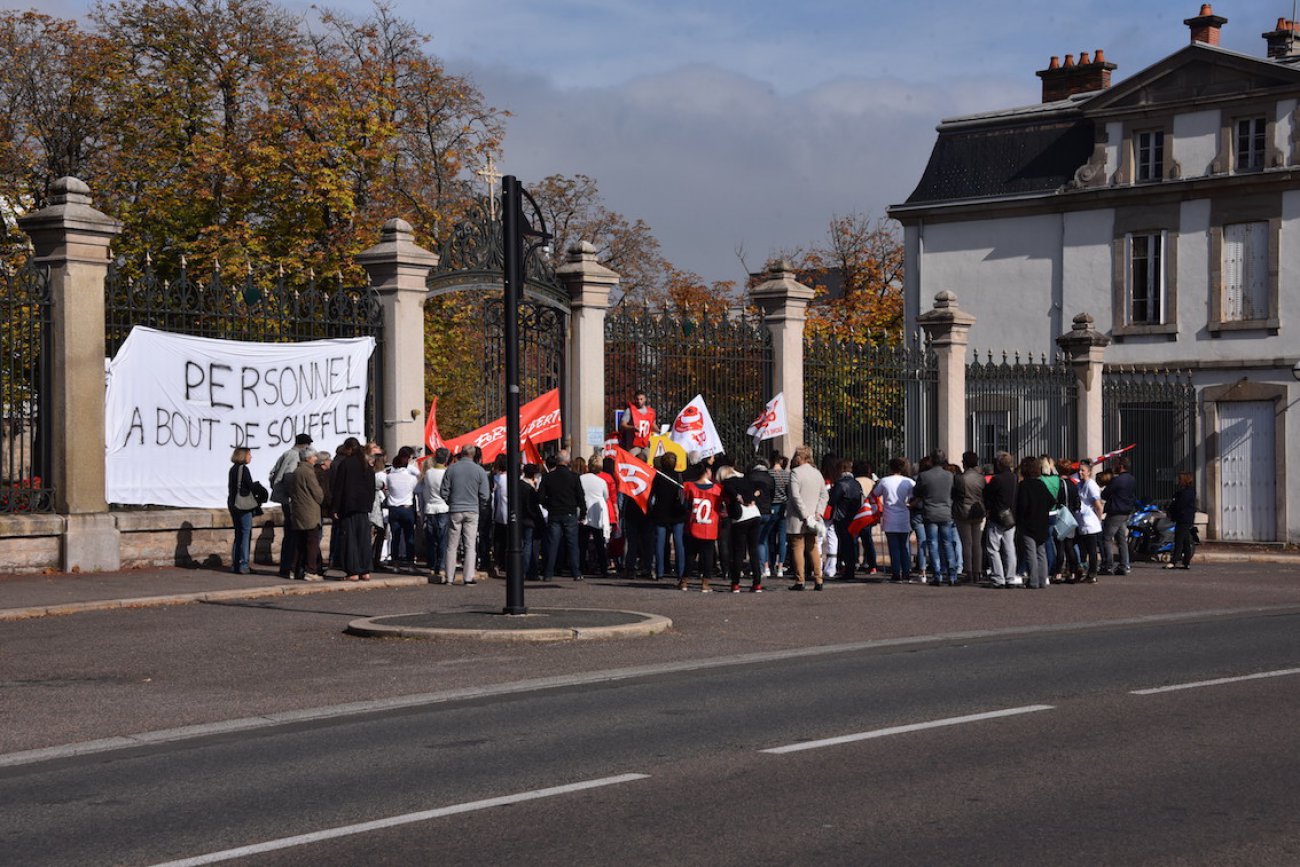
pixel 25 596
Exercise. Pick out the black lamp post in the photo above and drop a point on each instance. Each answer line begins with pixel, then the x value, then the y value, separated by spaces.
pixel 515 228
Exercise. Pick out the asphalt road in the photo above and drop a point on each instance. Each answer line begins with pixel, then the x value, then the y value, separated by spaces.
pixel 1075 769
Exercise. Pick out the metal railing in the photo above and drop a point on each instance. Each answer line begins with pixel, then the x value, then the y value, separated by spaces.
pixel 1156 410
pixel 1021 406
pixel 871 400
pixel 25 435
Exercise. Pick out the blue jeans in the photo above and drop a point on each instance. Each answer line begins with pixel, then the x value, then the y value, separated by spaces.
pixel 764 532
pixel 867 538
pixel 435 540
pixel 778 541
pixel 941 546
pixel 900 555
pixel 530 544
pixel 562 527
pixel 918 527
pixel 401 519
pixel 243 522
pixel 678 532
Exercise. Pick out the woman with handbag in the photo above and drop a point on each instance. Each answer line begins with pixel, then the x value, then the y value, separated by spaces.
pixel 741 495
pixel 242 503
pixel 1034 503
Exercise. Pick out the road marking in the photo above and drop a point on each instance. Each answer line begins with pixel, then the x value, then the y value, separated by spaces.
pixel 401 702
pixel 1216 682
pixel 914 727
pixel 395 821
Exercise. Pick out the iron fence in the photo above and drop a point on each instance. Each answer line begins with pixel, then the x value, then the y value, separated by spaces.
pixel 25 436
pixel 1023 407
pixel 254 309
pixel 1156 410
pixel 672 358
pixel 871 400
pixel 542 334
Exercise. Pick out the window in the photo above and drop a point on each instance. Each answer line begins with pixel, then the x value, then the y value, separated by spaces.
pixel 1146 279
pixel 1250 144
pixel 1245 272
pixel 1151 155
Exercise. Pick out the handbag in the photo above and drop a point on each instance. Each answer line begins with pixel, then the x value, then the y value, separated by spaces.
pixel 1065 525
pixel 1006 518
pixel 748 511
pixel 246 502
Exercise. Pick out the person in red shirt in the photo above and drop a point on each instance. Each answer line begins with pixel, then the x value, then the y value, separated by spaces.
pixel 705 510
pixel 637 424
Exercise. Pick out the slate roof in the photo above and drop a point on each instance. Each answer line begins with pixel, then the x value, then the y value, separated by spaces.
pixel 977 161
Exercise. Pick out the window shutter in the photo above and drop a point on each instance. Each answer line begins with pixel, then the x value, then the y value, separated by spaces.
pixel 1234 248
pixel 1254 280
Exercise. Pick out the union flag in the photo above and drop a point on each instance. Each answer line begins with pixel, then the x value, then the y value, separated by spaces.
pixel 635 476
pixel 868 515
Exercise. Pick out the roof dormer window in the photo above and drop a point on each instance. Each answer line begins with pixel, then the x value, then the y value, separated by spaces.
pixel 1150 147
pixel 1250 138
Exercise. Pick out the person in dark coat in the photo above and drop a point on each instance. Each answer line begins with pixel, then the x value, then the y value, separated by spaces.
pixel 532 521
pixel 562 496
pixel 1182 511
pixel 239 483
pixel 307 497
pixel 1034 502
pixel 1000 526
pixel 352 495
pixel 668 515
pixel 845 499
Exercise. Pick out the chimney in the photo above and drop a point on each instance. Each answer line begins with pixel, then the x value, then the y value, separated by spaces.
pixel 1205 27
pixel 1282 42
pixel 1061 81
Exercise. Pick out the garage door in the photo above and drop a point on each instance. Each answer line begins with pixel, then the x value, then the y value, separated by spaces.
pixel 1249 474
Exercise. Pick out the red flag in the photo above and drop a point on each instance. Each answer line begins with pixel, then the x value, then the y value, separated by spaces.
pixel 539 420
pixel 635 476
pixel 868 515
pixel 531 454
pixel 432 439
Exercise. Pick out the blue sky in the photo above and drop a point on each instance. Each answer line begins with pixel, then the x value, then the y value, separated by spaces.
pixel 749 124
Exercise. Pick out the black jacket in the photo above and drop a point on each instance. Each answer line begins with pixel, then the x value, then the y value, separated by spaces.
pixel 763 481
pixel 1033 503
pixel 561 493
pixel 667 505
pixel 352 486
pixel 1182 508
pixel 530 507
pixel 1121 494
pixel 845 498
pixel 739 491
pixel 1000 493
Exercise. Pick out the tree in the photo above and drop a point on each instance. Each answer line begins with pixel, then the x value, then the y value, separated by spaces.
pixel 574 211
pixel 866 257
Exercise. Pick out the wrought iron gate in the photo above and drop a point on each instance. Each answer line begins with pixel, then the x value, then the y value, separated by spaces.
pixel 25 441
pixel 464 353
pixel 1156 410
pixel 873 400
pixel 1025 408
pixel 672 358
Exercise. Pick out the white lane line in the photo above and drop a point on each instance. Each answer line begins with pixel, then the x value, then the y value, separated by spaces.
pixel 914 727
pixel 394 821
pixel 1216 682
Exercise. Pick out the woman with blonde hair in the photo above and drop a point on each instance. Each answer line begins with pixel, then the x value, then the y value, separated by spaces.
pixel 242 504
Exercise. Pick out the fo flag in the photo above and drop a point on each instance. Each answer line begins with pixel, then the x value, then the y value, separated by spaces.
pixel 539 421
pixel 1101 459
pixel 771 423
pixel 693 429
pixel 869 515
pixel 635 476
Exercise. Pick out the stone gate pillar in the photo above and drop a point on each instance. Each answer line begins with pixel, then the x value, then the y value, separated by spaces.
pixel 948 328
pixel 784 301
pixel 397 268
pixel 589 284
pixel 72 240
pixel 1086 348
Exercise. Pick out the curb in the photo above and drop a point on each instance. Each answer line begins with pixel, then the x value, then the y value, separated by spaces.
pixel 650 624
pixel 1226 557
pixel 290 588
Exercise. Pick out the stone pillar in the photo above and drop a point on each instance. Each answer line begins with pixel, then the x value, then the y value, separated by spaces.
pixel 589 284
pixel 397 268
pixel 784 301
pixel 948 328
pixel 1086 349
pixel 72 240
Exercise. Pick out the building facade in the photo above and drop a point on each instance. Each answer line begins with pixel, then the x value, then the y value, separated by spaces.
pixel 1167 206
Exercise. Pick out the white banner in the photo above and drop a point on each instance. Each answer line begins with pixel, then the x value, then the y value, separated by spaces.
pixel 772 423
pixel 177 406
pixel 693 429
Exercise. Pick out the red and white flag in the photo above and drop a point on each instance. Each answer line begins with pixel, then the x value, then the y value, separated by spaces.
pixel 869 514
pixel 771 422
pixel 635 476
pixel 1114 454
pixel 693 430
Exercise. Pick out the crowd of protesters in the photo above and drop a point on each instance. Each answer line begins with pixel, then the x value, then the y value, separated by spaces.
pixel 1012 524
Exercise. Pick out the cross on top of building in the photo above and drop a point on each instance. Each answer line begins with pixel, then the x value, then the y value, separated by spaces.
pixel 490 175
